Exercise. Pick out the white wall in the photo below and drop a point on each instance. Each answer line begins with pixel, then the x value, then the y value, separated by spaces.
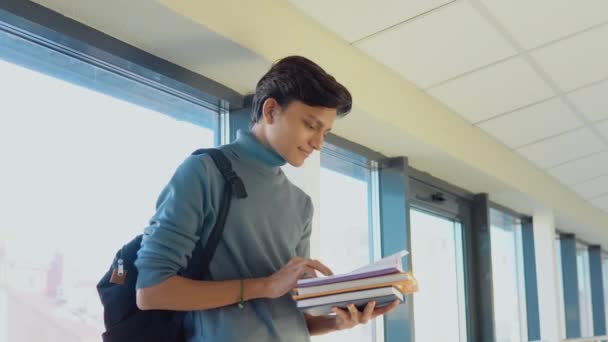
pixel 547 276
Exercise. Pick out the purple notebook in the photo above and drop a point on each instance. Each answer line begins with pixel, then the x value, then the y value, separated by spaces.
pixel 345 277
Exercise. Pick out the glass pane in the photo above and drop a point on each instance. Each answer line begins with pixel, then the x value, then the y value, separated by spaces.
pixel 438 265
pixel 560 286
pixel 508 278
pixel 584 290
pixel 81 172
pixel 605 283
pixel 345 229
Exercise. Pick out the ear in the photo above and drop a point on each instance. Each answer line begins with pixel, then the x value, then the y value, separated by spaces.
pixel 269 109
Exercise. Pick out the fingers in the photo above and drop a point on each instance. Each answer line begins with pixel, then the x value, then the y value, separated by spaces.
pixel 386 309
pixel 317 265
pixel 295 260
pixel 357 317
pixel 299 267
pixel 306 267
pixel 352 316
pixel 367 312
pixel 308 272
pixel 344 315
pixel 354 313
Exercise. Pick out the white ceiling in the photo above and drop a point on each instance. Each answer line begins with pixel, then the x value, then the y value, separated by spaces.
pixel 178 40
pixel 532 74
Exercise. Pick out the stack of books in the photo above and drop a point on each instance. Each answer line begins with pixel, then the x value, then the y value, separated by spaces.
pixel 383 282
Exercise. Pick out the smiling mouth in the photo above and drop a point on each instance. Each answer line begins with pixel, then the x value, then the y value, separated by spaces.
pixel 305 152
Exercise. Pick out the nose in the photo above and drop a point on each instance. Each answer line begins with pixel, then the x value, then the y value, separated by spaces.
pixel 317 141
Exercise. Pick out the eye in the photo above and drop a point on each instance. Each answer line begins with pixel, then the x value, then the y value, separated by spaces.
pixel 309 125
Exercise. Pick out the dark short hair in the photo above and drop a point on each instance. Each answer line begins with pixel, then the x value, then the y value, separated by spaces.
pixel 298 78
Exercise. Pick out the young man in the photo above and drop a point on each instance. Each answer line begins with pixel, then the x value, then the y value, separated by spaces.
pixel 265 246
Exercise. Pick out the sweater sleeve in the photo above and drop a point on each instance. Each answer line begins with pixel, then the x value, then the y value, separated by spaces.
pixel 171 235
pixel 303 248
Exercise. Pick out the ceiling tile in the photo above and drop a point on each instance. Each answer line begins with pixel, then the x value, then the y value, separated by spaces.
pixel 592 188
pixel 601 202
pixel 562 148
pixel 493 90
pixel 531 124
pixel 355 19
pixel 438 46
pixel 576 61
pixel 583 169
pixel 529 22
pixel 603 128
pixel 592 101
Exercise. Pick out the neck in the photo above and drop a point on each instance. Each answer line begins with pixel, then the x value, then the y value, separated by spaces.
pixel 251 146
pixel 260 135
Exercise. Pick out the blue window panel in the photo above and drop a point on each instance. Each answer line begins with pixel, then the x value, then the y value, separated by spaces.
pixel 570 285
pixel 529 253
pixel 597 290
pixel 394 223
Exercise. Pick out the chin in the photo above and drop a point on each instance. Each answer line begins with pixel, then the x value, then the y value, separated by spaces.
pixel 296 162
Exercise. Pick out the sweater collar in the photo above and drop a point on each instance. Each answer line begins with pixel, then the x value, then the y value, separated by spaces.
pixel 263 155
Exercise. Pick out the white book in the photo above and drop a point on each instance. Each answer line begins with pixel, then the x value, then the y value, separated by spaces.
pixel 393 260
pixel 353 283
pixel 349 296
pixel 386 265
pixel 323 305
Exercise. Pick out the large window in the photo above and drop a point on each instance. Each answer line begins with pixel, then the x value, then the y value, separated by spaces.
pixel 605 282
pixel 345 225
pixel 583 288
pixel 85 153
pixel 508 277
pixel 437 262
pixel 437 231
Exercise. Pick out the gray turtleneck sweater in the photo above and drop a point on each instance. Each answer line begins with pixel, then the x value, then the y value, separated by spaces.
pixel 263 232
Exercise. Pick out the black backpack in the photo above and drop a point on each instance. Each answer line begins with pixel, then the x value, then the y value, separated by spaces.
pixel 122 318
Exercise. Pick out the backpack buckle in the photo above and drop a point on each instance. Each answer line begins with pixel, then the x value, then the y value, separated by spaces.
pixel 121 268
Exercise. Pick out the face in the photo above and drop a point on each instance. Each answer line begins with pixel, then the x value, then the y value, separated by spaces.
pixel 296 130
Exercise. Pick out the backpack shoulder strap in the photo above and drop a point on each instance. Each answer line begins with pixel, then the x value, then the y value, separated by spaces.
pixel 198 265
pixel 225 167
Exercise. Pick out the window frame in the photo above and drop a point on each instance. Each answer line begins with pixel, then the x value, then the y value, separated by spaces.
pixel 42 26
pixel 518 221
pixel 457 207
pixel 336 155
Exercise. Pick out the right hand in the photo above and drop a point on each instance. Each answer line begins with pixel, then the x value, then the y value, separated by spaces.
pixel 285 279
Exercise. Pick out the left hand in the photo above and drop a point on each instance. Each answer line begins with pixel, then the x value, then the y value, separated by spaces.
pixel 346 319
